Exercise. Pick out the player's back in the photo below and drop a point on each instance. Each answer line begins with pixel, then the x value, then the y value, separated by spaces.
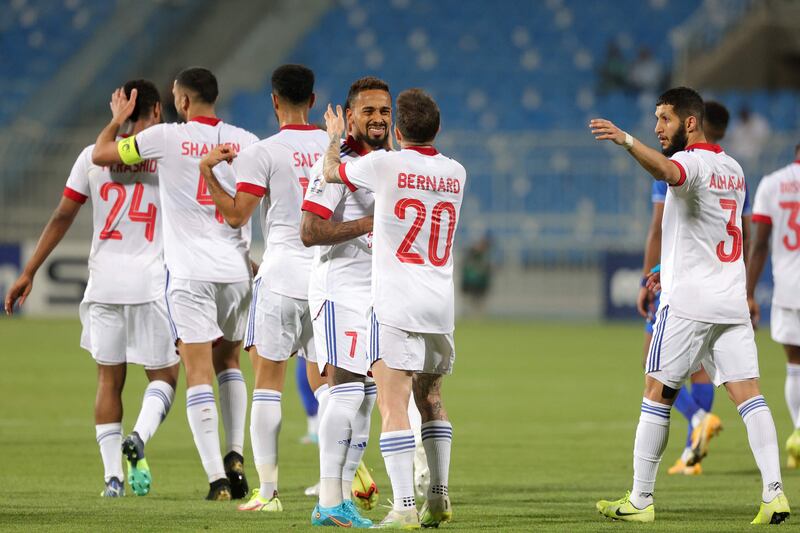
pixel 703 275
pixel 198 244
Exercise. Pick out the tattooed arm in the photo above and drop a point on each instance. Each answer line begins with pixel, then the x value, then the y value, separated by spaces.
pixel 315 230
pixel 335 125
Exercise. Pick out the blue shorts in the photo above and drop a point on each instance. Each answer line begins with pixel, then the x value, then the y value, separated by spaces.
pixel 651 320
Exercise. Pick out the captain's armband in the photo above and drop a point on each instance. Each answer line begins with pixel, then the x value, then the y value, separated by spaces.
pixel 128 152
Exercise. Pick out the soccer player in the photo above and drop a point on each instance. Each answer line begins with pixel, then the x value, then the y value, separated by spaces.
pixel 418 194
pixel 775 214
pixel 703 317
pixel 275 171
pixel 339 223
pixel 208 268
pixel 123 322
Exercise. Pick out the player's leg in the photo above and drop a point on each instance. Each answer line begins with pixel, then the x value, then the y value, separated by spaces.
pixel 108 425
pixel 422 475
pixel 704 425
pixel 356 478
pixel 310 404
pixel 792 393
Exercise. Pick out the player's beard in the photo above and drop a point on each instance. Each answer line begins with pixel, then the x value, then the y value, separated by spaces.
pixel 677 143
pixel 380 142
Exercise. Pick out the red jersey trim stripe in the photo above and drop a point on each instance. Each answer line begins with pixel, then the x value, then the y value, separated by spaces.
pixel 762 219
pixel 251 188
pixel 343 175
pixel 209 121
pixel 424 150
pixel 302 127
pixel 705 146
pixel 319 210
pixel 683 174
pixel 74 195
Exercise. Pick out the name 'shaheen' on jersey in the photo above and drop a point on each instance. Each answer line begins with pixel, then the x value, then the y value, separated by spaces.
pixel 428 183
pixel 201 149
pixel 726 183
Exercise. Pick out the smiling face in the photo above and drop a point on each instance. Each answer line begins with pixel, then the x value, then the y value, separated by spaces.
pixel 671 130
pixel 370 117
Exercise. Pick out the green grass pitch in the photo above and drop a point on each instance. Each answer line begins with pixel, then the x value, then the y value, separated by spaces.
pixel 544 416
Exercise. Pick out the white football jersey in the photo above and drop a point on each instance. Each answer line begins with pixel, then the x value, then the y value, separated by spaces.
pixel 126 262
pixel 198 244
pixel 778 203
pixel 340 272
pixel 702 269
pixel 277 168
pixel 418 195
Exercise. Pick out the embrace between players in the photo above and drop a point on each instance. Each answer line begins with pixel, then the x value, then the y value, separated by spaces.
pixel 357 278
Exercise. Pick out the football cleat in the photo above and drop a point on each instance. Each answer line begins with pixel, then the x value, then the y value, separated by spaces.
pixel 114 489
pixel 331 516
pixel 309 438
pixel 793 449
pixel 435 511
pixel 624 510
pixel 680 468
pixel 138 471
pixel 359 521
pixel 234 469
pixel 257 503
pixel 219 490
pixel 313 490
pixel 422 474
pixel 774 512
pixel 399 520
pixel 708 428
pixel 364 490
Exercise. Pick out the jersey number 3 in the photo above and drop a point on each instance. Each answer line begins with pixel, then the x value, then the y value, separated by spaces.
pixel 734 231
pixel 404 253
pixel 135 214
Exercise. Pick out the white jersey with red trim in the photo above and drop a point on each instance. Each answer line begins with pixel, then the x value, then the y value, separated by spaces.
pixel 702 269
pixel 277 169
pixel 418 195
pixel 340 272
pixel 198 244
pixel 126 262
pixel 778 203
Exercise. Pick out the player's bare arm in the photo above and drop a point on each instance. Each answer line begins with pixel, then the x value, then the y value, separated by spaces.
pixel 53 232
pixel 106 151
pixel 335 126
pixel 655 163
pixel 652 257
pixel 236 210
pixel 316 231
pixel 759 251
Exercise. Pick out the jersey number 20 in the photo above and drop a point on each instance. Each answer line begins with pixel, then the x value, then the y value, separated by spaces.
pixel 404 253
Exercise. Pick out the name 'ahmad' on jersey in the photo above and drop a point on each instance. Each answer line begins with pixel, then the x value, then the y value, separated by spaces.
pixel 198 244
pixel 418 195
pixel 702 269
pixel 778 203
pixel 277 169
pixel 126 264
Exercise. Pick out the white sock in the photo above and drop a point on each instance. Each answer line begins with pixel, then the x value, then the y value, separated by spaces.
pixel 109 437
pixel 651 440
pixel 321 394
pixel 158 397
pixel 792 391
pixel 201 410
pixel 698 417
pixel 437 438
pixel 764 444
pixel 335 432
pixel 358 439
pixel 415 419
pixel 312 424
pixel 233 406
pixel 265 426
pixel 397 448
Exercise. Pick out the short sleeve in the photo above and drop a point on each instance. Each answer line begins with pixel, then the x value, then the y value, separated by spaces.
pixel 761 211
pixel 359 173
pixel 322 198
pixel 689 166
pixel 77 187
pixel 151 142
pixel 658 194
pixel 252 168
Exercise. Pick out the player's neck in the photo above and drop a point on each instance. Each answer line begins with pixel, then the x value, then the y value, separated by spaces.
pixel 293 117
pixel 696 138
pixel 200 111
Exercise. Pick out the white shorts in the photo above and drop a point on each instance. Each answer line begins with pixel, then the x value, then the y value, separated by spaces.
pixel 204 311
pixel 784 325
pixel 429 353
pixel 340 337
pixel 116 334
pixel 680 346
pixel 278 326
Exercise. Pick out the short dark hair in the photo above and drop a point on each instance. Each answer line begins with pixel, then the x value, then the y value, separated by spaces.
pixel 200 81
pixel 417 116
pixel 147 97
pixel 295 83
pixel 685 101
pixel 367 83
pixel 715 120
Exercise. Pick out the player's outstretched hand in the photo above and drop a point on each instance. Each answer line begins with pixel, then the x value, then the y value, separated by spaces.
pixel 654 282
pixel 755 312
pixel 334 122
pixel 122 106
pixel 644 301
pixel 223 152
pixel 603 129
pixel 18 291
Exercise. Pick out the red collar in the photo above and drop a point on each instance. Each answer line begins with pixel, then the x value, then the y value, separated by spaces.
pixel 355 146
pixel 304 127
pixel 705 146
pixel 209 121
pixel 797 161
pixel 424 150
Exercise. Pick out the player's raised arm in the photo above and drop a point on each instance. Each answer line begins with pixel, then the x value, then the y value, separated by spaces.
pixel 236 210
pixel 106 149
pixel 651 160
pixel 335 126
pixel 317 231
